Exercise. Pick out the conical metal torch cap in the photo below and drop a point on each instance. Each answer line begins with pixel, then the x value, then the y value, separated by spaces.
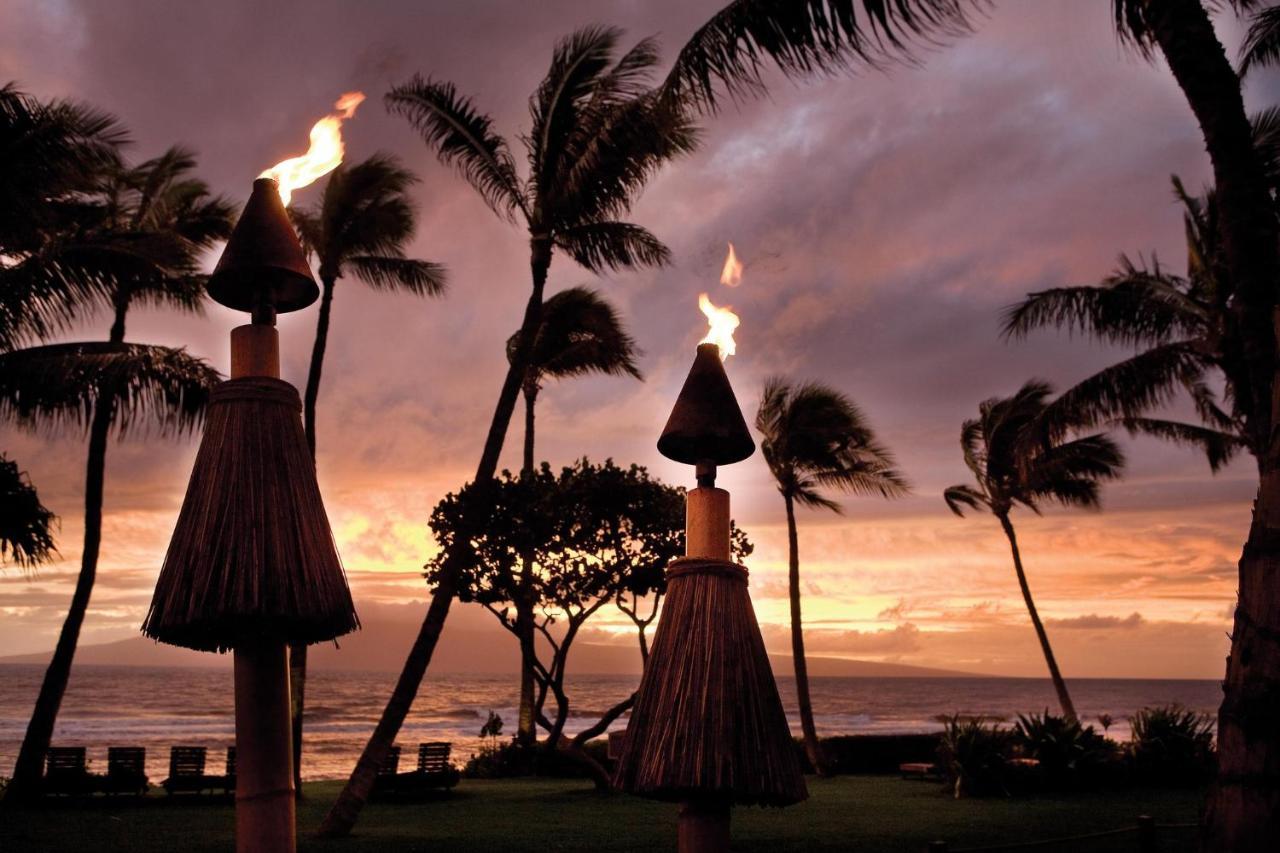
pixel 706 424
pixel 263 264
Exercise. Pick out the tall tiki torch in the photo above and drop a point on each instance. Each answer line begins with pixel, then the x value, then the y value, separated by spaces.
pixel 252 565
pixel 708 729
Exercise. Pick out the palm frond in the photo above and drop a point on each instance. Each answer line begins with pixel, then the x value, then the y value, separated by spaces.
pixel 961 496
pixel 1134 306
pixel 727 55
pixel 26 525
pixel 1261 46
pixel 612 245
pixel 463 138
pixel 421 278
pixel 1219 447
pixel 580 333
pixel 577 62
pixel 59 386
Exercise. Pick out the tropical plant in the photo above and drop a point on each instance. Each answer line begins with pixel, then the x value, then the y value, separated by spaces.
pixel 579 333
pixel 144 242
pixel 1069 755
pixel 598 134
pixel 816 438
pixel 1171 746
pixel 1021 451
pixel 359 229
pixel 26 537
pixel 972 757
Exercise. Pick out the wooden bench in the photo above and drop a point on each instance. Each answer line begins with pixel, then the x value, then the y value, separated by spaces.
pixel 186 772
pixel 385 781
pixel 126 771
pixel 65 773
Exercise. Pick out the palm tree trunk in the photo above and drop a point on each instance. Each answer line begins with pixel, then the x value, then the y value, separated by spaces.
pixel 346 811
pixel 1059 685
pixel 30 765
pixel 1243 812
pixel 526 731
pixel 812 748
pixel 298 651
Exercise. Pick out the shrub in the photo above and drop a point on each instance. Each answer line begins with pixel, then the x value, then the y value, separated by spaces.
pixel 873 753
pixel 1070 756
pixel 1171 746
pixel 971 755
pixel 511 760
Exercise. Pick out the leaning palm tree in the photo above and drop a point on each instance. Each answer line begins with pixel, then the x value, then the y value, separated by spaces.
pixel 358 229
pixel 580 333
pixel 598 134
pixel 152 225
pixel 814 438
pixel 26 537
pixel 1023 450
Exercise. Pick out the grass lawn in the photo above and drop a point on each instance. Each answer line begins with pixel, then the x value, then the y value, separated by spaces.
pixel 873 813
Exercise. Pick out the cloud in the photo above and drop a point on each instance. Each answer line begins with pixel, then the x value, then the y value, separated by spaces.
pixel 1094 622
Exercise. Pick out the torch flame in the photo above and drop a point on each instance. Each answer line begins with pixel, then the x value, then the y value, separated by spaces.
pixel 732 272
pixel 325 152
pixel 722 322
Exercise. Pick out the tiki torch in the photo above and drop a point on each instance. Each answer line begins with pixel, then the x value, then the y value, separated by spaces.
pixel 252 565
pixel 708 729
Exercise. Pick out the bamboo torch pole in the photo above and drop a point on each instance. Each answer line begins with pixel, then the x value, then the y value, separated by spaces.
pixel 265 819
pixel 703 826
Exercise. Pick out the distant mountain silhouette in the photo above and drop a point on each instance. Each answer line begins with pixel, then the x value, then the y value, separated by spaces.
pixel 383 643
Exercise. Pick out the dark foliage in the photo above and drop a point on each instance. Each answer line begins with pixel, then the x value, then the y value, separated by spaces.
pixel 1171 746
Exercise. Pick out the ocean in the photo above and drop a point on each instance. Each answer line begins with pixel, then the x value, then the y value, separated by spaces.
pixel 159 707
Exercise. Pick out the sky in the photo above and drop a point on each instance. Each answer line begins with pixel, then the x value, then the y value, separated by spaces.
pixel 884 221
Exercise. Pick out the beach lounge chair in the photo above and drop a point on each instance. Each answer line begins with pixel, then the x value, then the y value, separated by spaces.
pixel 434 769
pixel 385 781
pixel 65 772
pixel 126 771
pixel 229 779
pixel 186 772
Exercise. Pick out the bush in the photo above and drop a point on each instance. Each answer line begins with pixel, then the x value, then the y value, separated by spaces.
pixel 510 760
pixel 872 753
pixel 971 755
pixel 1070 756
pixel 1171 746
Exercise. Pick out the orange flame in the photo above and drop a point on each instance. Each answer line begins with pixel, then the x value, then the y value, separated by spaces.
pixel 732 272
pixel 322 157
pixel 722 322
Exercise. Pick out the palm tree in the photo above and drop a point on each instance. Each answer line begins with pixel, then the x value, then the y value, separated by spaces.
pixel 815 438
pixel 579 333
pixel 1021 451
pixel 1183 328
pixel 152 223
pixel 598 134
pixel 25 523
pixel 359 228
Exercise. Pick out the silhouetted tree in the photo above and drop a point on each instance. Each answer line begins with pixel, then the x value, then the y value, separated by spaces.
pixel 359 229
pixel 815 438
pixel 143 243
pixel 580 333
pixel 1022 450
pixel 598 134
pixel 26 537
